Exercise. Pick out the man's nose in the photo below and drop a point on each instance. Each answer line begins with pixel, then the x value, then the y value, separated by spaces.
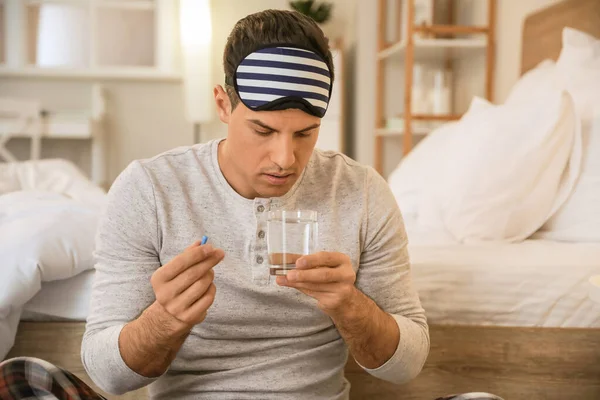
pixel 282 152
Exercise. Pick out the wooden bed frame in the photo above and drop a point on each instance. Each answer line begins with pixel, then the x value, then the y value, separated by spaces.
pixel 512 362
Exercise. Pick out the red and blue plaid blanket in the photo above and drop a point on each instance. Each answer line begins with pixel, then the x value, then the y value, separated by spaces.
pixel 32 378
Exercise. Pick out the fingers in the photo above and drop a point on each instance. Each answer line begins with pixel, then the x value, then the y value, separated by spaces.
pixel 167 291
pixel 326 301
pixel 321 275
pixel 189 277
pixel 185 279
pixel 184 286
pixel 192 294
pixel 313 287
pixel 195 244
pixel 197 311
pixel 321 259
pixel 192 255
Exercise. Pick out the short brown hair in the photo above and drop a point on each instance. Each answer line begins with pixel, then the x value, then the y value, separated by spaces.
pixel 271 27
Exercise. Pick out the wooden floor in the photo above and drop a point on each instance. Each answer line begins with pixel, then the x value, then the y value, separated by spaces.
pixel 514 363
pixel 33 338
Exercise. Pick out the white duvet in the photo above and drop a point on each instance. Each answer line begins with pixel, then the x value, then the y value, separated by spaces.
pixel 47 231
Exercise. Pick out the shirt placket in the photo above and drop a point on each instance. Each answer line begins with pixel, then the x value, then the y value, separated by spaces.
pixel 260 260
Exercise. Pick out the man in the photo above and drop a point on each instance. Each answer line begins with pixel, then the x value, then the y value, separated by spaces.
pixel 208 321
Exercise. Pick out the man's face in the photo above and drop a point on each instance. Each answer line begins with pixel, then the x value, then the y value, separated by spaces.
pixel 265 151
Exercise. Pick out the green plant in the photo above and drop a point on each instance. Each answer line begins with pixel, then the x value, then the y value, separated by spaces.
pixel 319 12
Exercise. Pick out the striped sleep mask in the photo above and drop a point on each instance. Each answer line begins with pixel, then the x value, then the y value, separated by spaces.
pixel 283 77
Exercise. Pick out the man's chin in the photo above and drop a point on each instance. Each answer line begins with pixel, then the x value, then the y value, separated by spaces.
pixel 267 190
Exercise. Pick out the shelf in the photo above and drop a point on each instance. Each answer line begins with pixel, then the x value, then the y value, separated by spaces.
pixel 105 73
pixel 434 117
pixel 416 131
pixel 451 29
pixel 433 49
pixel 126 5
pixel 59 126
pixel 119 4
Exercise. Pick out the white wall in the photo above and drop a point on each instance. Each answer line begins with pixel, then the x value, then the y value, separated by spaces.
pixel 145 118
pixel 469 81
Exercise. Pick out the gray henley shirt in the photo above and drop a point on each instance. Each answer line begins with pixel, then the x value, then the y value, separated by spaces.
pixel 259 340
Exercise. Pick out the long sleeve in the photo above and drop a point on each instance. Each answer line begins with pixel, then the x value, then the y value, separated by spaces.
pixel 126 255
pixel 385 276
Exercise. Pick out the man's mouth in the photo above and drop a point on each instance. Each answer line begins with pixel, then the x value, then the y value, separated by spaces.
pixel 278 179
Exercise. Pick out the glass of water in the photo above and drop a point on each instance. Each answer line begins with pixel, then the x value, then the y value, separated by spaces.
pixel 290 235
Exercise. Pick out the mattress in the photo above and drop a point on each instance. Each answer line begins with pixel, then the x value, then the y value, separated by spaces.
pixel 60 300
pixel 533 283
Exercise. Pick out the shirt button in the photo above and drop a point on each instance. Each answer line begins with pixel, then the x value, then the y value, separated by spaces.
pixel 260 208
pixel 261 234
pixel 259 260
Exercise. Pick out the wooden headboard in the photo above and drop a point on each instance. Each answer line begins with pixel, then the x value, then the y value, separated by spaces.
pixel 542 31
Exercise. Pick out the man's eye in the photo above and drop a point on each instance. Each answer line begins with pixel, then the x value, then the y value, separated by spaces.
pixel 262 133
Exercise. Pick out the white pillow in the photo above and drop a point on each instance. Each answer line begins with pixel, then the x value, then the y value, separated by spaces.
pixel 499 183
pixel 444 167
pixel 545 76
pixel 422 166
pixel 579 68
pixel 530 81
pixel 408 179
pixel 43 237
pixel 57 176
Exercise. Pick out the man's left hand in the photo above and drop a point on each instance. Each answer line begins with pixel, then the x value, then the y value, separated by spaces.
pixel 325 276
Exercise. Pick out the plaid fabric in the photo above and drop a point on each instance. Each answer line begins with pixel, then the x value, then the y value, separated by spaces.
pixel 32 378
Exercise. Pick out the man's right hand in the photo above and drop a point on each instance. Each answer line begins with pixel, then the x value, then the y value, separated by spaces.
pixel 184 292
pixel 184 286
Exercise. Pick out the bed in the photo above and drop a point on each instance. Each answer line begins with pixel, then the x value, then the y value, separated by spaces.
pixel 48 217
pixel 510 318
pixel 62 300
pixel 48 214
pixel 541 335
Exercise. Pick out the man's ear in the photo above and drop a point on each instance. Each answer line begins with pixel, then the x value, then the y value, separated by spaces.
pixel 223 104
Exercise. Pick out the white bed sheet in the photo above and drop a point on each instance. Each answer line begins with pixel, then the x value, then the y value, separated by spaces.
pixel 532 283
pixel 66 299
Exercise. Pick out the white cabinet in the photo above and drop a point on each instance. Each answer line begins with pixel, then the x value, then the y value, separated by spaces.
pixel 96 38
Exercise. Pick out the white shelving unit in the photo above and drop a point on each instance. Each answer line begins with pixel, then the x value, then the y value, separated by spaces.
pixel 159 27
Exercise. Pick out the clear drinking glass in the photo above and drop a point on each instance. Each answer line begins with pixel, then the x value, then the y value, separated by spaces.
pixel 290 235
